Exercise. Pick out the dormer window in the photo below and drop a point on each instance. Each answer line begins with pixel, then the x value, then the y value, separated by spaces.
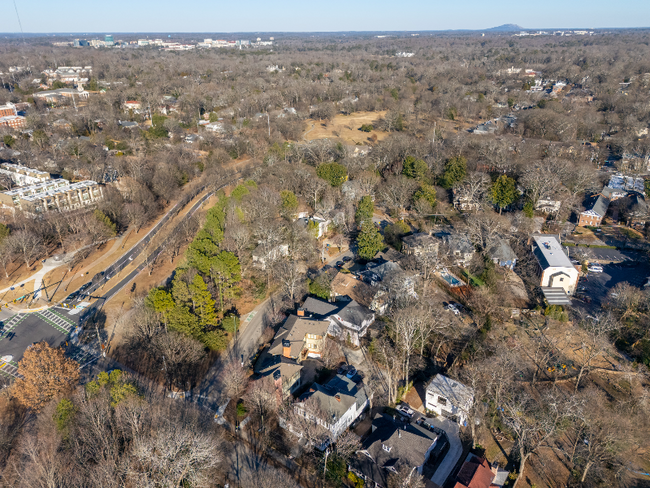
pixel 385 447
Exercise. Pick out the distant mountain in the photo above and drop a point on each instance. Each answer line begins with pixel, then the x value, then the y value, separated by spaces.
pixel 506 28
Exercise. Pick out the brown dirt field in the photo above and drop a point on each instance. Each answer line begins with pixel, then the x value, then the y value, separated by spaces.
pixel 346 128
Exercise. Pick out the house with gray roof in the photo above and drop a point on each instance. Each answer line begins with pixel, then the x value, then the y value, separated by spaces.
pixel 594 216
pixel 420 243
pixel 449 397
pixel 340 402
pixel 349 321
pixel 460 247
pixel 391 446
pixel 299 338
pixel 556 270
pixel 502 254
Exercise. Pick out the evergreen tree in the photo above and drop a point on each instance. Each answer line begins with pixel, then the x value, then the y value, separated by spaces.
pixel 289 204
pixel 503 192
pixel 203 302
pixel 334 173
pixel 455 171
pixel 415 168
pixel 426 192
pixel 365 209
pixel 225 270
pixel 369 241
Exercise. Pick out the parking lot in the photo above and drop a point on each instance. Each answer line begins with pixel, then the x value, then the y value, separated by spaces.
pixel 596 286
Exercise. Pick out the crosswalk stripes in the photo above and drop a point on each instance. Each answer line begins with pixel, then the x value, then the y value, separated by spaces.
pixel 8 369
pixel 11 324
pixel 57 321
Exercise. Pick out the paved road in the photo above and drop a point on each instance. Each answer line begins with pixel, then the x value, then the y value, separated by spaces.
pixel 253 324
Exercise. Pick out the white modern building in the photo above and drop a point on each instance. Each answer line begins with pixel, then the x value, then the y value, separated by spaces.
pixel 555 267
pixel 449 398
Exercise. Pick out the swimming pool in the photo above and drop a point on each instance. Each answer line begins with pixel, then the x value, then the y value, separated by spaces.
pixel 453 281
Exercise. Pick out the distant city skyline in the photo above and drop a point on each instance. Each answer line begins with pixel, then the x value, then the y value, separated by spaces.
pixel 120 16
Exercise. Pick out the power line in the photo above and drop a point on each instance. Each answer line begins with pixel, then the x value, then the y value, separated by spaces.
pixel 20 24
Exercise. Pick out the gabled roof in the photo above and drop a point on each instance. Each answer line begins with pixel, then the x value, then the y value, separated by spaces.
pixel 601 205
pixel 357 290
pixel 502 251
pixel 348 311
pixel 294 330
pixel 392 445
pixel 549 252
pixel 475 474
pixel 458 394
pixel 336 397
pixel 421 239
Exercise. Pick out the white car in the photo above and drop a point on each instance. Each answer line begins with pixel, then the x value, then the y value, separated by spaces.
pixel 405 410
pixel 595 269
pixel 453 309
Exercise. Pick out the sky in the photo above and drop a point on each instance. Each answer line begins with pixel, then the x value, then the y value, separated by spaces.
pixel 77 16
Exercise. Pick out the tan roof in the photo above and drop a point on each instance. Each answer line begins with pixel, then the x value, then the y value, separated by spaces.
pixel 347 284
pixel 294 330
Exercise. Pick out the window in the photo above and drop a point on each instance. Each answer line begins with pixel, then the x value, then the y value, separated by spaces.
pixel 385 447
pixel 442 400
pixel 561 279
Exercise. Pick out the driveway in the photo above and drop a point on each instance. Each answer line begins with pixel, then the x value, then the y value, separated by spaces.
pixel 455 448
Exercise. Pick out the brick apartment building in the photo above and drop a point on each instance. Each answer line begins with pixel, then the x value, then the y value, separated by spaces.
pixel 8 110
pixel 13 121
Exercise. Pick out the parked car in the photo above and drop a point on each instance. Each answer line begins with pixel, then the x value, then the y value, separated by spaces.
pixel 339 264
pixel 406 410
pixel 351 372
pixel 347 259
pixel 453 309
pixel 342 369
pixel 595 269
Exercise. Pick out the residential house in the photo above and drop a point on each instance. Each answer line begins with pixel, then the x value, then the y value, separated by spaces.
pixel 502 254
pixel 317 224
pixel 349 320
pixel 133 105
pixel 449 398
pixel 299 338
pixel 633 209
pixel 263 254
pixel 613 194
pixel 420 243
pixel 460 247
pixel 476 472
pixel 555 267
pixel 340 402
pixel 548 206
pixel 464 202
pixel 594 216
pixel 128 124
pixel 621 182
pixel 217 127
pixel 391 447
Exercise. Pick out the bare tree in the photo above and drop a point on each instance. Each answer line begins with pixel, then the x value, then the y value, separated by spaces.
pixel 233 378
pixel 27 244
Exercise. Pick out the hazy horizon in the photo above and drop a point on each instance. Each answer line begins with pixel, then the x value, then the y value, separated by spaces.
pixel 290 16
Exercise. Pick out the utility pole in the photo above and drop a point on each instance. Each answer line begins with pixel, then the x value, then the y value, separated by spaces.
pixel 327 453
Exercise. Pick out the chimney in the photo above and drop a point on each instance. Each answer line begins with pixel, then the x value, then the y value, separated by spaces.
pixel 338 397
pixel 399 434
pixel 301 312
pixel 286 348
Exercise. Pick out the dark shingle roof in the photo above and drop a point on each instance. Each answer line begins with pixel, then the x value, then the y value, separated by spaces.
pixel 392 444
pixel 349 311
pixel 601 205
